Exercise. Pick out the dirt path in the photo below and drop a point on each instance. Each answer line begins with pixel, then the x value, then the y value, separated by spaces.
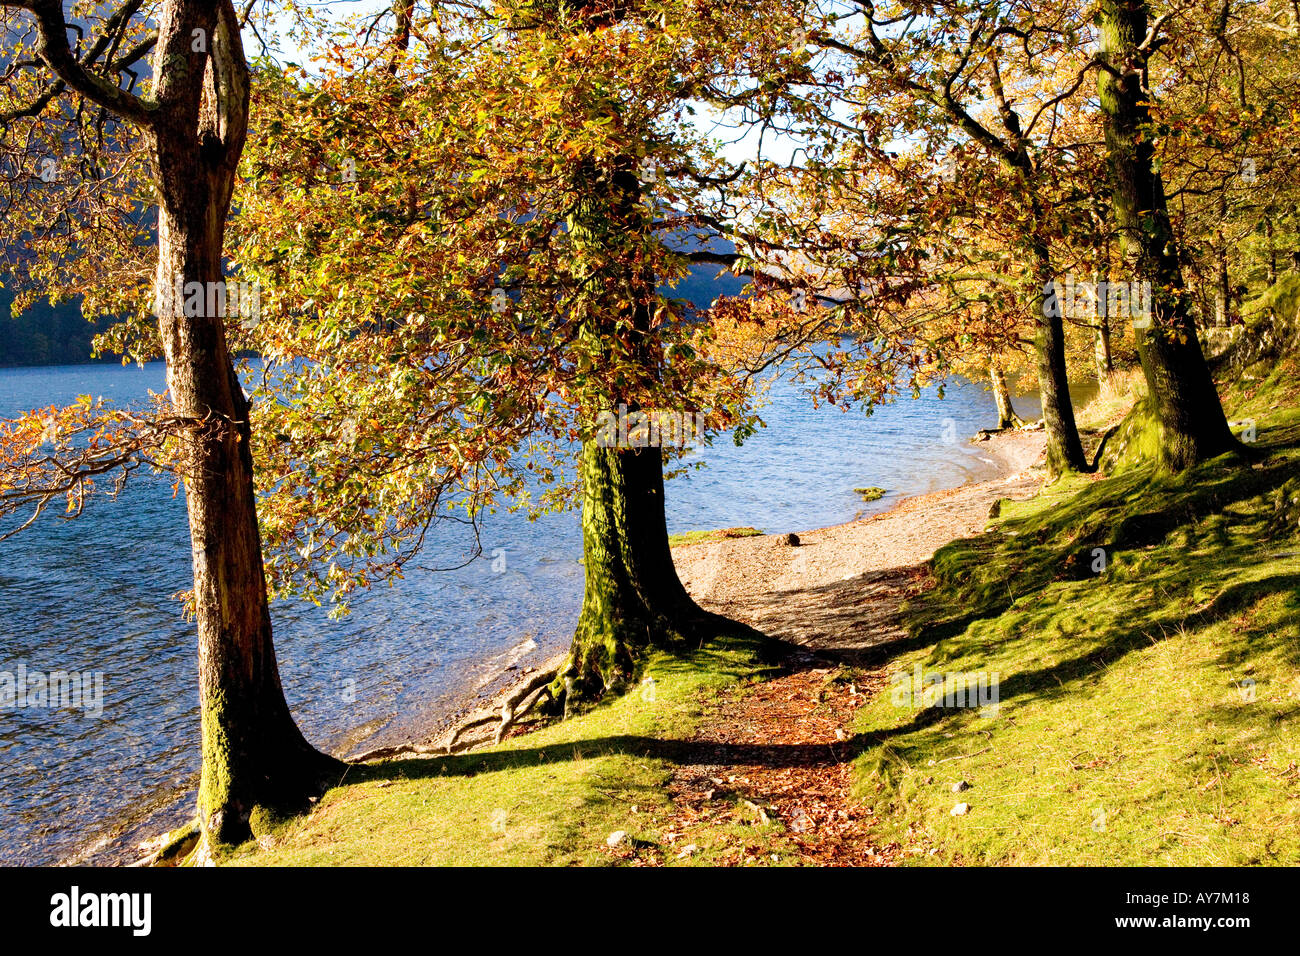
pixel 835 596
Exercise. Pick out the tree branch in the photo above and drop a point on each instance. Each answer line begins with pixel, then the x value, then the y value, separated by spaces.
pixel 53 48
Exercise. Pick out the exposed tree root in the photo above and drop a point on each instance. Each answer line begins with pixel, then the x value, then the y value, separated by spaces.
pixel 170 849
pixel 518 702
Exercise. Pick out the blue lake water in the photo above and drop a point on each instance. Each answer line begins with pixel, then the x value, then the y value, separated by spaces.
pixel 95 594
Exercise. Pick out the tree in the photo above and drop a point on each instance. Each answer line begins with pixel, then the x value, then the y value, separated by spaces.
pixel 191 126
pixel 977 83
pixel 1223 131
pixel 1185 402
pixel 493 268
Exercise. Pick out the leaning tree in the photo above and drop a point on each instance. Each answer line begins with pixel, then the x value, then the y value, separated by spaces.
pixel 1186 404
pixel 96 169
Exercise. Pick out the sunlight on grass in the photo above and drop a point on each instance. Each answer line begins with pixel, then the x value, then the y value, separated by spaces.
pixel 699 537
pixel 1148 710
pixel 552 797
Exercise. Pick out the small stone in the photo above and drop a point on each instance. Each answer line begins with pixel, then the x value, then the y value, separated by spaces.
pixel 791 539
pixel 959 786
pixel 961 810
pixel 615 838
pixel 688 850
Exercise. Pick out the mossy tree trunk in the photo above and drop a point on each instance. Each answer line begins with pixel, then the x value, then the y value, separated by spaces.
pixel 253 753
pixel 1064 449
pixel 1187 407
pixel 1007 417
pixel 633 597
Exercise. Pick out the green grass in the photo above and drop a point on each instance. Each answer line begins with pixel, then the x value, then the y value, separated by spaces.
pixel 1148 712
pixel 699 537
pixel 1128 730
pixel 1112 400
pixel 1281 298
pixel 551 797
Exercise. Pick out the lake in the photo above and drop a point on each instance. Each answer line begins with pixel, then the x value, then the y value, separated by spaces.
pixel 96 594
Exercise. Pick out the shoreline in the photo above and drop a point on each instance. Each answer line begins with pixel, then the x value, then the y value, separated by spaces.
pixel 1014 453
pixel 839 589
pixel 758 580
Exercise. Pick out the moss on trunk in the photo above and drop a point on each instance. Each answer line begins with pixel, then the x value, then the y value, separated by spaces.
pixel 1191 423
pixel 633 599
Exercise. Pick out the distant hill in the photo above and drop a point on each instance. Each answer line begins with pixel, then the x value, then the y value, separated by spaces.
pixel 45 334
pixel 703 285
pixel 59 335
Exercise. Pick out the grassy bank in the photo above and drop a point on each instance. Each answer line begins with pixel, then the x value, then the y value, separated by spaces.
pixel 1145 633
pixel 552 797
pixel 701 537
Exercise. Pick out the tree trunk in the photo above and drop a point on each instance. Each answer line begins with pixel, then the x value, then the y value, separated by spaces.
pixel 1007 417
pixel 1223 294
pixel 1101 354
pixel 1272 249
pixel 253 752
pixel 633 598
pixel 1064 449
pixel 1191 420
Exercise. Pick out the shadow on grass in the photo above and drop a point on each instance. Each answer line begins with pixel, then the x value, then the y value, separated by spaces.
pixel 681 753
pixel 978 578
pixel 983 577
